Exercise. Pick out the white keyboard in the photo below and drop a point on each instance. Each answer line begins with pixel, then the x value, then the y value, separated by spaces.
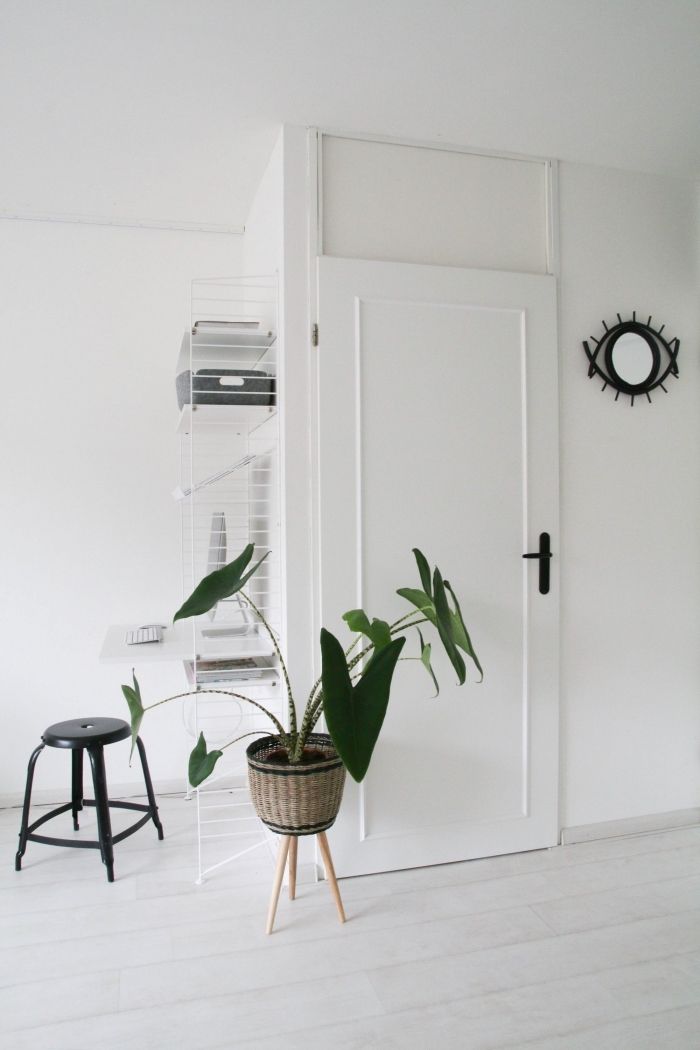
pixel 141 635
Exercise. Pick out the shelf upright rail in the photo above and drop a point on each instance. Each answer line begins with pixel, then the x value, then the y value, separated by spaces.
pixel 230 496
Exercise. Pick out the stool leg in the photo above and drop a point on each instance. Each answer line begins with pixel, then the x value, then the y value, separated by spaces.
pixel 330 873
pixel 149 787
pixel 104 824
pixel 293 849
pixel 77 785
pixel 25 809
pixel 277 884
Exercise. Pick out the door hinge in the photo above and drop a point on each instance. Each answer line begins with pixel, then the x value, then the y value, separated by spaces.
pixel 314 335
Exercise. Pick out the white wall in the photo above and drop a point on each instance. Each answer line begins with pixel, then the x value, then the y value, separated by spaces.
pixel 92 322
pixel 276 241
pixel 262 243
pixel 630 487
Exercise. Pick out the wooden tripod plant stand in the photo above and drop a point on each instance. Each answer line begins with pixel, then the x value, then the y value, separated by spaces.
pixel 288 850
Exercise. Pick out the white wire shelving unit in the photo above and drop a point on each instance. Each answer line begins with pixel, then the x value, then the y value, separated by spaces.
pixel 229 496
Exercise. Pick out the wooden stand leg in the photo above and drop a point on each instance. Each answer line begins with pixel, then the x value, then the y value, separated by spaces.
pixel 330 873
pixel 293 847
pixel 277 884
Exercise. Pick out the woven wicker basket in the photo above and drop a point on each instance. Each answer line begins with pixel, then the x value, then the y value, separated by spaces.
pixel 296 800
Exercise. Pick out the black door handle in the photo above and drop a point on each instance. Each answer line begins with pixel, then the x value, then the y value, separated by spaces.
pixel 543 554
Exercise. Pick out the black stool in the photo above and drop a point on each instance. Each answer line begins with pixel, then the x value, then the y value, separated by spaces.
pixel 91 735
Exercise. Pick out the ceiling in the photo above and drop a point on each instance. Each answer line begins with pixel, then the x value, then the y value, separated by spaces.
pixel 166 110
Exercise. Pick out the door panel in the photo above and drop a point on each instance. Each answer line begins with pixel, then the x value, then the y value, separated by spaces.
pixel 438 428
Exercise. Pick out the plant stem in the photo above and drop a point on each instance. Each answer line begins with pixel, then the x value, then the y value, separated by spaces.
pixel 407 626
pixel 314 687
pixel 306 726
pixel 314 705
pixel 254 732
pixel 224 692
pixel 271 633
pixel 317 714
pixel 394 628
pixel 401 620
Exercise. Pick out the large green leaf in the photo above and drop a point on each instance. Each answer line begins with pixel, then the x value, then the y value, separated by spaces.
pixel 201 762
pixel 354 714
pixel 136 711
pixel 433 604
pixel 421 601
pixel 378 631
pixel 335 677
pixel 381 633
pixel 357 620
pixel 423 570
pixel 425 651
pixel 460 632
pixel 445 627
pixel 220 584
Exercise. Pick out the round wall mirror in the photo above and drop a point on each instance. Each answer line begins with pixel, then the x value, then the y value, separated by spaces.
pixel 632 358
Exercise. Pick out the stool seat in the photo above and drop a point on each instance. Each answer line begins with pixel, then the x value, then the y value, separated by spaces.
pixel 86 732
pixel 92 735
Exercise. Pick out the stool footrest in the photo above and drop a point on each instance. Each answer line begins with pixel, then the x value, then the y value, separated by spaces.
pixel 141 807
pixel 49 840
pixel 134 827
pixel 48 816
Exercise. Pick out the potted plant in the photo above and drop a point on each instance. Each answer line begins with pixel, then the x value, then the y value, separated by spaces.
pixel 296 774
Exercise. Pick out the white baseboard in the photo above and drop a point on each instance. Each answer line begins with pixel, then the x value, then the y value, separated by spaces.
pixel 612 829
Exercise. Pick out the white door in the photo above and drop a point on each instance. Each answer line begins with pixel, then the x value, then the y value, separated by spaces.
pixel 438 430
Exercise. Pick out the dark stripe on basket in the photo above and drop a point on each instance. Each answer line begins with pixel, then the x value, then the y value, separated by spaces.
pixel 293 771
pixel 300 829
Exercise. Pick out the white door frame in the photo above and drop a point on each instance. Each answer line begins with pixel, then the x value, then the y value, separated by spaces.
pixel 314 248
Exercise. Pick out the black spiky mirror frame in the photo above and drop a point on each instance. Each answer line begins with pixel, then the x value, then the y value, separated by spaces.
pixel 660 354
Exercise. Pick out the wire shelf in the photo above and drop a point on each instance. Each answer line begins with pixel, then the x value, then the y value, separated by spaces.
pixel 229 496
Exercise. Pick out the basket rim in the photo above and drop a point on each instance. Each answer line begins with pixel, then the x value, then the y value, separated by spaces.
pixel 332 761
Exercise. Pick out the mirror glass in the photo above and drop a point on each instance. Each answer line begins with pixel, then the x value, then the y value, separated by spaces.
pixel 632 358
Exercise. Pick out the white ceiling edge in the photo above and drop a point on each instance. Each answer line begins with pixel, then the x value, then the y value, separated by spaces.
pixel 120 221
pixel 189 226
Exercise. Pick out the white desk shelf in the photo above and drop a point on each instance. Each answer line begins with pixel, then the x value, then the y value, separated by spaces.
pixel 180 643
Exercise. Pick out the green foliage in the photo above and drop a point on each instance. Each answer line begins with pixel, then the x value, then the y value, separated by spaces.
pixel 378 631
pixel 355 712
pixel 460 632
pixel 433 603
pixel 423 602
pixel 136 710
pixel 423 570
pixel 425 651
pixel 445 628
pixel 220 584
pixel 201 762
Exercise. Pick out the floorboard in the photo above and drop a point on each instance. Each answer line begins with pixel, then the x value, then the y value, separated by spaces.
pixel 583 947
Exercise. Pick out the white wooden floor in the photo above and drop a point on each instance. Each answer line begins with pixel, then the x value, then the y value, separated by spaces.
pixel 585 947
